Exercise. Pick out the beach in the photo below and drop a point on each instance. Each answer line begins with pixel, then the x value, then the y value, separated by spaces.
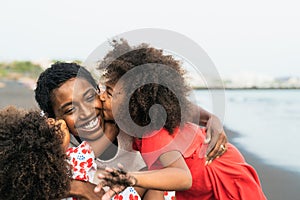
pixel 17 94
pixel 277 183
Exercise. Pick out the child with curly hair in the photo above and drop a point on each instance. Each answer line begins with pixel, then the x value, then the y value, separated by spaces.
pixel 172 150
pixel 81 158
pixel 33 162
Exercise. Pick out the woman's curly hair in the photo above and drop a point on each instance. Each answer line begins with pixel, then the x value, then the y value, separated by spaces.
pixel 124 58
pixel 32 161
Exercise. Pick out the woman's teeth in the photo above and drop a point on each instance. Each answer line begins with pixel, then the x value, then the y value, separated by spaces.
pixel 91 124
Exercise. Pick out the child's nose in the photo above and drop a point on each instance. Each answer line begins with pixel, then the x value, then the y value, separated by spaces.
pixel 103 96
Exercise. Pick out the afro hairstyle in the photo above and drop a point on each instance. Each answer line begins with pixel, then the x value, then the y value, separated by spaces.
pixel 32 161
pixel 124 58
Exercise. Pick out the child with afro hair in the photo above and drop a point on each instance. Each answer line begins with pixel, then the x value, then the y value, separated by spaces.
pixel 139 80
pixel 33 162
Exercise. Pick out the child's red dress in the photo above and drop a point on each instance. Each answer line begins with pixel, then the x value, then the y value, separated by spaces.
pixel 227 177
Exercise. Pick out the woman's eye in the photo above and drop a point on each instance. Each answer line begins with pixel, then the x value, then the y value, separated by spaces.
pixel 69 110
pixel 91 97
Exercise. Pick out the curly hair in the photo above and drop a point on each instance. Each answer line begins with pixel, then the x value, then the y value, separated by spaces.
pixel 156 90
pixel 32 161
pixel 53 78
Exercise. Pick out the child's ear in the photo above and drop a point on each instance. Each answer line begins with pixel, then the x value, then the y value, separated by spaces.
pixel 51 121
pixel 62 124
pixel 62 129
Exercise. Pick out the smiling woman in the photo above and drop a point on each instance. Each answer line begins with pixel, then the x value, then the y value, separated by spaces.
pixel 80 109
pixel 67 91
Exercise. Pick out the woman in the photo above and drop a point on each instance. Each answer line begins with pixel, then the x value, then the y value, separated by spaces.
pixel 67 91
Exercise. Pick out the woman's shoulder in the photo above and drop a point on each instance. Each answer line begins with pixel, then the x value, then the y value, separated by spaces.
pixel 73 141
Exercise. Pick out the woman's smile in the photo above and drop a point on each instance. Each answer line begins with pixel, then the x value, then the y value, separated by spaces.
pixel 91 125
pixel 77 102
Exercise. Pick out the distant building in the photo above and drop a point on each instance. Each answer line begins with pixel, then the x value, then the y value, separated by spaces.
pixel 251 80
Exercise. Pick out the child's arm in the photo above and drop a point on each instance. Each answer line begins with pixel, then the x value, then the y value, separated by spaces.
pixel 175 176
pixel 110 133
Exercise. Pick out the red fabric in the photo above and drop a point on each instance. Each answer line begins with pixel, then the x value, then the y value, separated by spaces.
pixel 82 160
pixel 228 177
pixel 158 142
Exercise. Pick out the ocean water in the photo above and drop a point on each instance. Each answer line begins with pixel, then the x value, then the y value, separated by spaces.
pixel 268 122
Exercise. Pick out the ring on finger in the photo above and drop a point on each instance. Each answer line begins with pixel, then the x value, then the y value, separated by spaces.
pixel 222 147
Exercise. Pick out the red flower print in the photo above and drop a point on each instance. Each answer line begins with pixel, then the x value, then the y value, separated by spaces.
pixel 131 197
pixel 75 162
pixel 84 151
pixel 89 162
pixel 82 145
pixel 118 197
pixel 82 171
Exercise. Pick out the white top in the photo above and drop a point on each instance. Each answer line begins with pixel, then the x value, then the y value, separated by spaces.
pixel 129 158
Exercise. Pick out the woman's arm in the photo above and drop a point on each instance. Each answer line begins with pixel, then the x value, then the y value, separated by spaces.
pixel 84 190
pixel 215 134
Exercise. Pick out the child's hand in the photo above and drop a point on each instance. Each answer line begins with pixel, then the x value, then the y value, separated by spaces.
pixel 116 179
pixel 84 190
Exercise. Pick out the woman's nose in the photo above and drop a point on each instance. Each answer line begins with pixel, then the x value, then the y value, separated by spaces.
pixel 86 111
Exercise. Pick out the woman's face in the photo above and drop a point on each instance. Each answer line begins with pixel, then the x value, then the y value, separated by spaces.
pixel 77 102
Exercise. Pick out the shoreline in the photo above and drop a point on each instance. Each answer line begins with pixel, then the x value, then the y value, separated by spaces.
pixel 247 88
pixel 278 183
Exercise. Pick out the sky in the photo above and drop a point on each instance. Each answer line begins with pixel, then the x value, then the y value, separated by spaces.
pixel 261 37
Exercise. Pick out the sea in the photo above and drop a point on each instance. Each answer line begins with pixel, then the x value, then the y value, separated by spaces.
pixel 267 122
